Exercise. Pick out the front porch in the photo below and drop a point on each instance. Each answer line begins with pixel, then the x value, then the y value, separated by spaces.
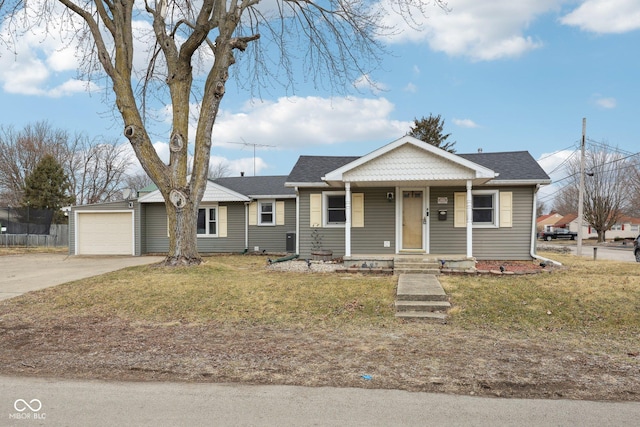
pixel 411 263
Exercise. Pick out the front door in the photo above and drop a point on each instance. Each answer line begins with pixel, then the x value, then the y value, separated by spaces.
pixel 412 219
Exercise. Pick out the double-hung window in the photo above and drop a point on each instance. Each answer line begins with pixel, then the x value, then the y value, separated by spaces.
pixel 484 208
pixel 266 212
pixel 208 221
pixel 489 208
pixel 335 208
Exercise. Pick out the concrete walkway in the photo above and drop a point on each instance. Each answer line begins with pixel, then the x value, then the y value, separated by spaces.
pixel 418 285
pixel 421 296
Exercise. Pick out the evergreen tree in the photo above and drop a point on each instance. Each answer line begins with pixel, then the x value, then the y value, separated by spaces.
pixel 429 129
pixel 47 187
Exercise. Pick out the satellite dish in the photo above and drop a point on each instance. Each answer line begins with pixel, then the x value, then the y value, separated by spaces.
pixel 126 193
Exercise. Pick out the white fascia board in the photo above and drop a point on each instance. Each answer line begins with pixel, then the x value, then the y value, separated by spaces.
pixel 519 182
pixel 233 196
pixel 480 171
pixel 272 196
pixel 306 184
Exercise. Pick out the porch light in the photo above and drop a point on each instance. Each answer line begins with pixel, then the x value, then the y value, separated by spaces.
pixel 390 196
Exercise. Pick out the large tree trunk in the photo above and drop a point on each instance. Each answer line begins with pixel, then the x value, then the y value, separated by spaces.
pixel 183 223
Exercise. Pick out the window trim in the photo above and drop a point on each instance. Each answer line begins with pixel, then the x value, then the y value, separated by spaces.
pixel 207 220
pixel 495 208
pixel 325 209
pixel 273 212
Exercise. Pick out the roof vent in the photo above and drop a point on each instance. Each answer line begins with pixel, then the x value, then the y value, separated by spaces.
pixel 479 150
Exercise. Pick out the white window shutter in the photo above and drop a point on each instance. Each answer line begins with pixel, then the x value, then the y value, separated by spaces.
pixel 279 213
pixel 315 210
pixel 459 209
pixel 253 213
pixel 222 221
pixel 506 209
pixel 357 209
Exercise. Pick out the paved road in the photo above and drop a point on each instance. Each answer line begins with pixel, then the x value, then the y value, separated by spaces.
pixel 30 272
pixel 96 403
pixel 609 253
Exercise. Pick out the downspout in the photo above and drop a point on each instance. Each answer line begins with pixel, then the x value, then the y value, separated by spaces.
pixel 534 233
pixel 246 225
pixel 297 219
pixel 347 225
pixel 469 209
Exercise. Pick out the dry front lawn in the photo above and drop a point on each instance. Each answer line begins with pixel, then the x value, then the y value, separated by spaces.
pixel 573 333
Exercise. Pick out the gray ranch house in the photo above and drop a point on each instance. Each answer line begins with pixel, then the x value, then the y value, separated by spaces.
pixel 407 197
pixel 410 197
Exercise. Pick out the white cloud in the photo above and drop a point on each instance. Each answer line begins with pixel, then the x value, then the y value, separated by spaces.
pixel 365 82
pixel 480 30
pixel 465 123
pixel 295 122
pixel 606 103
pixel 411 88
pixel 605 16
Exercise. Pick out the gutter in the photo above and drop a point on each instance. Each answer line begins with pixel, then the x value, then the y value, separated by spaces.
pixel 532 249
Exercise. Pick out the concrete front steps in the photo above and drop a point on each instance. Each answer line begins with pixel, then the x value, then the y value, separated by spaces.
pixel 421 296
pixel 415 265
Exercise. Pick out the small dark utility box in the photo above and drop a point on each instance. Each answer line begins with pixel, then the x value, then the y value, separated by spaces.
pixel 442 215
pixel 291 242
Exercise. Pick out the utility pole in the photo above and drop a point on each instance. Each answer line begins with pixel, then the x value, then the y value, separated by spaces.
pixel 581 190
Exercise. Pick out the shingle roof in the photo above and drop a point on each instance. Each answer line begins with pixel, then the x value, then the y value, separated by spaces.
pixel 312 168
pixel 257 185
pixel 516 165
pixel 511 165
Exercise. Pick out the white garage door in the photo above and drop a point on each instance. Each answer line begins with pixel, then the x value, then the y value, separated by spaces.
pixel 104 233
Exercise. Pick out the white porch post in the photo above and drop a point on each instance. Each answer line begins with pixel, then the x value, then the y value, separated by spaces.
pixel 469 221
pixel 347 224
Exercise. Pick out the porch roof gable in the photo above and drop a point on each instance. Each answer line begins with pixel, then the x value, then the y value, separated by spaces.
pixel 409 159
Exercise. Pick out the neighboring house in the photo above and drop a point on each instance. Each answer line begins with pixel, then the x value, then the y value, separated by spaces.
pixel 626 228
pixel 546 222
pixel 411 197
pixel 406 197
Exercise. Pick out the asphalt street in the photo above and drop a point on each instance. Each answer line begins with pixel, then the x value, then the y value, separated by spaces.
pixel 48 402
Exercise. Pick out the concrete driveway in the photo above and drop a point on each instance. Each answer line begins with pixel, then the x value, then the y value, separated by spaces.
pixel 30 272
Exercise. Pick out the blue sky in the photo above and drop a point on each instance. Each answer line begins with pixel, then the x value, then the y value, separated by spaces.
pixel 504 75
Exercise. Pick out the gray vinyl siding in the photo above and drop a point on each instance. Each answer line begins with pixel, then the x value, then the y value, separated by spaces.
pixel 157 239
pixel 379 226
pixel 111 206
pixel 379 223
pixel 332 237
pixel 506 243
pixel 273 238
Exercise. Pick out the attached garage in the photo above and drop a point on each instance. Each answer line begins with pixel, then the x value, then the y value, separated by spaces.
pixel 104 233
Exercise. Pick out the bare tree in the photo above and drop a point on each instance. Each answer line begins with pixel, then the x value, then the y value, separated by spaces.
pixel 219 170
pixel 342 39
pixel 138 181
pixel 566 199
pixel 634 176
pixel 97 170
pixel 607 189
